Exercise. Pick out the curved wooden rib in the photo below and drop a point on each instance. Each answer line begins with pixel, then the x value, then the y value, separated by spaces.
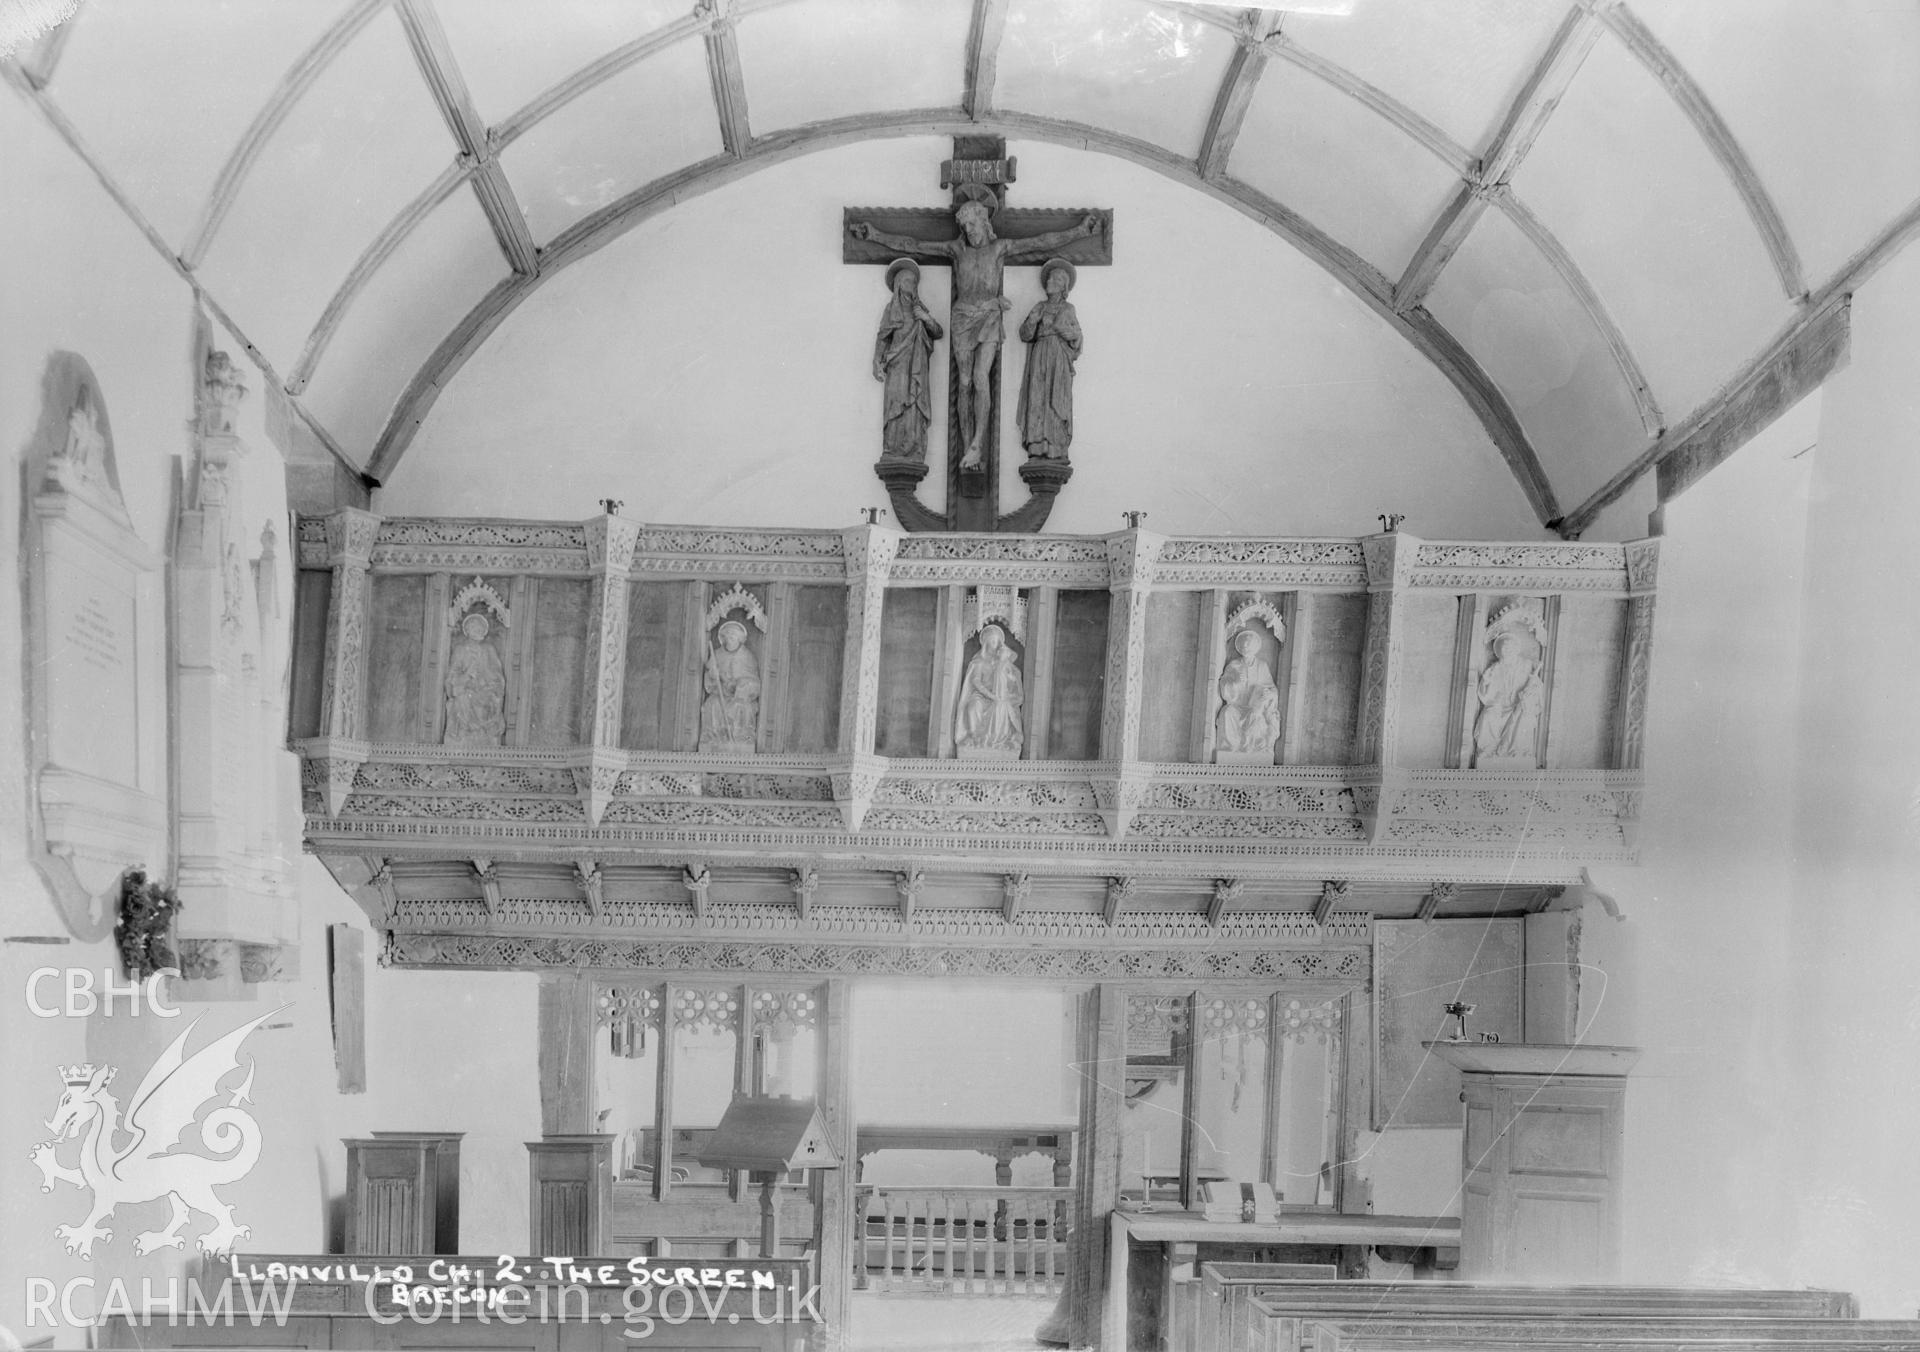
pixel 1651 418
pixel 1449 151
pixel 1666 68
pixel 610 222
pixel 604 68
pixel 366 265
pixel 611 64
pixel 267 121
pixel 984 32
pixel 1230 106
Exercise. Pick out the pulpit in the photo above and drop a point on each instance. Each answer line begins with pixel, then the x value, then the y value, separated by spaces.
pixel 1542 1162
pixel 403 1192
pixel 570 1194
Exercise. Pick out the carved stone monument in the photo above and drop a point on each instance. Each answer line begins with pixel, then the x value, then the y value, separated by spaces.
pixel 96 677
pixel 978 236
pixel 232 853
pixel 1512 693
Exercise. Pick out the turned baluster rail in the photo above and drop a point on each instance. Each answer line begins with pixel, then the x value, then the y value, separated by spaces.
pixel 962 1240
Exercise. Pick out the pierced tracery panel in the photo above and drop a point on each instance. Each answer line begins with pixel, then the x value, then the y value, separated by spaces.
pixel 715 1009
pixel 783 1012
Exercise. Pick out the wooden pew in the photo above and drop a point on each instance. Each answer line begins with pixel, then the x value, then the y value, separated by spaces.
pixel 1285 1331
pixel 1227 1290
pixel 1222 1288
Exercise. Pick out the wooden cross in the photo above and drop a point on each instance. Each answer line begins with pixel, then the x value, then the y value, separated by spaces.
pixel 978 171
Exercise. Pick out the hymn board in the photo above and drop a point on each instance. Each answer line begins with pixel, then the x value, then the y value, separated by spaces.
pixel 977 236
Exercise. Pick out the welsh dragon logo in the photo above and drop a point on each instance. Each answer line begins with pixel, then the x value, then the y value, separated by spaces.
pixel 146 1166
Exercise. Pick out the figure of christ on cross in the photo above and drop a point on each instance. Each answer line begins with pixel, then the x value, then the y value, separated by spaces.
pixel 977 325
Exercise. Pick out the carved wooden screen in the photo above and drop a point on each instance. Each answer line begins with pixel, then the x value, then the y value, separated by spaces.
pixel 667 1059
pixel 1236 1085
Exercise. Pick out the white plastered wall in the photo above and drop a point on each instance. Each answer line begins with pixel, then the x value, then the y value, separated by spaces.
pixel 712 365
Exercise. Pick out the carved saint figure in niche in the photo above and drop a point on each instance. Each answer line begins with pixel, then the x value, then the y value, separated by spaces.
pixel 1511 697
pixel 900 359
pixel 476 688
pixel 221 389
pixel 1249 701
pixel 978 317
pixel 1052 332
pixel 730 714
pixel 990 698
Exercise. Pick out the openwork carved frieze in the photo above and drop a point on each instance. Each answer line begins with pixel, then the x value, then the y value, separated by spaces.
pixel 1061 963
pixel 1265 820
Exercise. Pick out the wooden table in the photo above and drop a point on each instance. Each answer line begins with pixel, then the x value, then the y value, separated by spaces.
pixel 1180 1233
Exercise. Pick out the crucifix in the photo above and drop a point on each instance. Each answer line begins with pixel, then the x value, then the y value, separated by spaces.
pixel 977 236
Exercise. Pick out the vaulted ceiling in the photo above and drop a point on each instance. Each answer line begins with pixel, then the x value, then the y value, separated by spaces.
pixel 1598 219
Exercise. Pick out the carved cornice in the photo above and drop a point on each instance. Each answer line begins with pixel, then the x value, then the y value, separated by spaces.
pixel 1336 565
pixel 1521 567
pixel 414 544
pixel 1029 560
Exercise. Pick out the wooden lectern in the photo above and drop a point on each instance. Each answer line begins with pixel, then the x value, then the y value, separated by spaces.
pixel 1542 1159
pixel 769 1137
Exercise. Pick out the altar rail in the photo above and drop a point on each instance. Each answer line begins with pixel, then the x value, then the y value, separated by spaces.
pixel 1306 708
pixel 962 1241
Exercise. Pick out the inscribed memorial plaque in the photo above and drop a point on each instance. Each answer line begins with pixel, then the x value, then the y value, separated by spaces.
pixel 96 680
pixel 90 669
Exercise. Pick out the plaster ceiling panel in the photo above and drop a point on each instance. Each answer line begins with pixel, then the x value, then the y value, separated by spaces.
pixel 1502 299
pixel 1825 100
pixel 649 120
pixel 1115 64
pixel 832 58
pixel 163 92
pixel 1632 192
pixel 438 273
pixel 1459 65
pixel 359 146
pixel 1317 152
pixel 511 52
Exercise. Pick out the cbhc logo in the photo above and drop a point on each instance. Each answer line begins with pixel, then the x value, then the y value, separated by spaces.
pixel 82 997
